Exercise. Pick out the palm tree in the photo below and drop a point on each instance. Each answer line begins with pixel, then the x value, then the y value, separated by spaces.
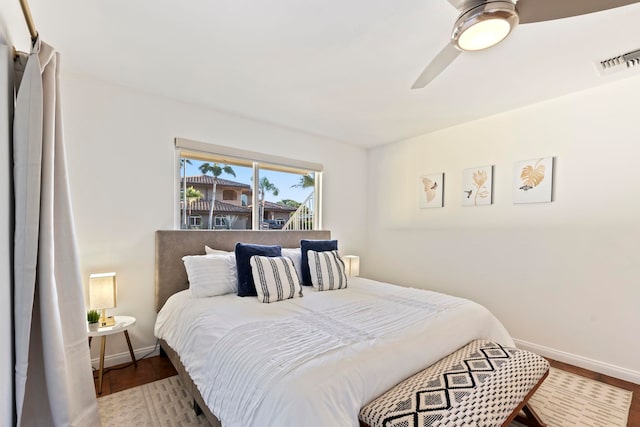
pixel 307 180
pixel 183 166
pixel 289 202
pixel 193 195
pixel 216 170
pixel 265 186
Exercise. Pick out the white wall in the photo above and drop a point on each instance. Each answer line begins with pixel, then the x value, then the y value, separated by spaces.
pixel 120 149
pixel 562 276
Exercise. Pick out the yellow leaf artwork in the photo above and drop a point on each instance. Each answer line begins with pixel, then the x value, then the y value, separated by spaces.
pixel 430 188
pixel 479 178
pixel 532 175
pixel 476 186
pixel 533 180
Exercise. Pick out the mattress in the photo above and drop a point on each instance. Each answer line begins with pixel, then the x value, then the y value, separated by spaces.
pixel 315 360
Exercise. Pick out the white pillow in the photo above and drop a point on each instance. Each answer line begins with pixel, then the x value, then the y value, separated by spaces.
pixel 211 251
pixel 211 275
pixel 327 270
pixel 295 254
pixel 275 278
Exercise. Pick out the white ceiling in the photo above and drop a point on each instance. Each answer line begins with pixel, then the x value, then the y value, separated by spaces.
pixel 341 69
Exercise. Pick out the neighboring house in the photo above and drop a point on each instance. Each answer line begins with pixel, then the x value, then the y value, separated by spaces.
pixel 225 215
pixel 231 209
pixel 277 214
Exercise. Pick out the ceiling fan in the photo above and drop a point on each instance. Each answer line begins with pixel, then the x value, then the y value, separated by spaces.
pixel 485 23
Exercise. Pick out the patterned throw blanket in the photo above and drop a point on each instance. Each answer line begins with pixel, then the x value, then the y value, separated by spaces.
pixel 250 359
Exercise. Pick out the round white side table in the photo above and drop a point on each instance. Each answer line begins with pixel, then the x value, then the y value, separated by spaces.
pixel 122 323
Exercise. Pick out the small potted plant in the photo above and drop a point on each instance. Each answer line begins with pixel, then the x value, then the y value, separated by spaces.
pixel 93 316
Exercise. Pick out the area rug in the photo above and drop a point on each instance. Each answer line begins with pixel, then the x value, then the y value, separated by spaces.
pixel 567 400
pixel 162 403
pixel 563 400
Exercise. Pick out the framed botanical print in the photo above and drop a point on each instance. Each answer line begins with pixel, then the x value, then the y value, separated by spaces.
pixel 533 181
pixel 431 190
pixel 477 186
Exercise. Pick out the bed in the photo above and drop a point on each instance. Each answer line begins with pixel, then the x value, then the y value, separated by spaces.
pixel 312 361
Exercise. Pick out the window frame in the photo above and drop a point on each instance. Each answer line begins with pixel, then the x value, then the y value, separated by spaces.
pixel 226 192
pixel 220 218
pixel 194 217
pixel 230 155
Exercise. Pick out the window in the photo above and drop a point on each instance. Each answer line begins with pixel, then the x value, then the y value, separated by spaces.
pixel 250 188
pixel 229 195
pixel 195 221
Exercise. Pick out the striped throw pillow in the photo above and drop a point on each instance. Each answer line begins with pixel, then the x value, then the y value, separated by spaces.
pixel 327 270
pixel 275 278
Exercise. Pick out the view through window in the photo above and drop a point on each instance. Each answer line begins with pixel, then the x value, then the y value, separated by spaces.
pixel 219 193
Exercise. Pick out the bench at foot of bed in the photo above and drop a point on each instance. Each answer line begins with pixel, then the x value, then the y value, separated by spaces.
pixel 483 384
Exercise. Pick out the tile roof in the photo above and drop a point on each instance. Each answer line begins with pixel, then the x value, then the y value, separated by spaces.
pixel 220 207
pixel 208 179
pixel 270 206
pixel 203 205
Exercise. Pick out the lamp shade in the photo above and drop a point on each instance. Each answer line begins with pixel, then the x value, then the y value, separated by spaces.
pixel 351 264
pixel 102 291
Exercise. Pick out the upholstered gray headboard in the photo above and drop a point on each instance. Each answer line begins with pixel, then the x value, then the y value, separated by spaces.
pixel 172 245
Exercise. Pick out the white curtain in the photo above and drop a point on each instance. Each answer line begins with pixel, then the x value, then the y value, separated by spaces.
pixel 54 383
pixel 6 233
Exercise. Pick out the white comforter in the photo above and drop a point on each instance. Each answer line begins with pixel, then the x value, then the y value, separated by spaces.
pixel 343 359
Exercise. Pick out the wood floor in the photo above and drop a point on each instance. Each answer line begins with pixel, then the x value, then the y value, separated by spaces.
pixel 156 368
pixel 122 377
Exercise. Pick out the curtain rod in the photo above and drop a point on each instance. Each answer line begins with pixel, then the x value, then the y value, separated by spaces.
pixel 27 17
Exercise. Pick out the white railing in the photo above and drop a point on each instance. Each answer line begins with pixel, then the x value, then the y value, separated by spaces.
pixel 302 218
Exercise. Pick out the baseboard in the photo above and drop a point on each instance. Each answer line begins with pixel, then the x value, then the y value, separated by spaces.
pixel 582 362
pixel 125 357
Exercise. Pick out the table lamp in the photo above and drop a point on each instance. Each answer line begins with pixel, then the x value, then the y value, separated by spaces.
pixel 102 295
pixel 351 265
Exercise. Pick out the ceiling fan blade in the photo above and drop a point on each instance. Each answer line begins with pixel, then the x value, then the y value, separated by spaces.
pixel 547 10
pixel 437 65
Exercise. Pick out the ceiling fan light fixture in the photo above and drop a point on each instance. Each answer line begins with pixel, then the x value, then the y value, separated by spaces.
pixel 484 34
pixel 484 25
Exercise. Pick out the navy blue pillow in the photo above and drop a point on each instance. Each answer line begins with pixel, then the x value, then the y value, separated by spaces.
pixel 244 252
pixel 314 245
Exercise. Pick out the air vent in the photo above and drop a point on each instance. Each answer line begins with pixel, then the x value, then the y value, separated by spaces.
pixel 619 63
